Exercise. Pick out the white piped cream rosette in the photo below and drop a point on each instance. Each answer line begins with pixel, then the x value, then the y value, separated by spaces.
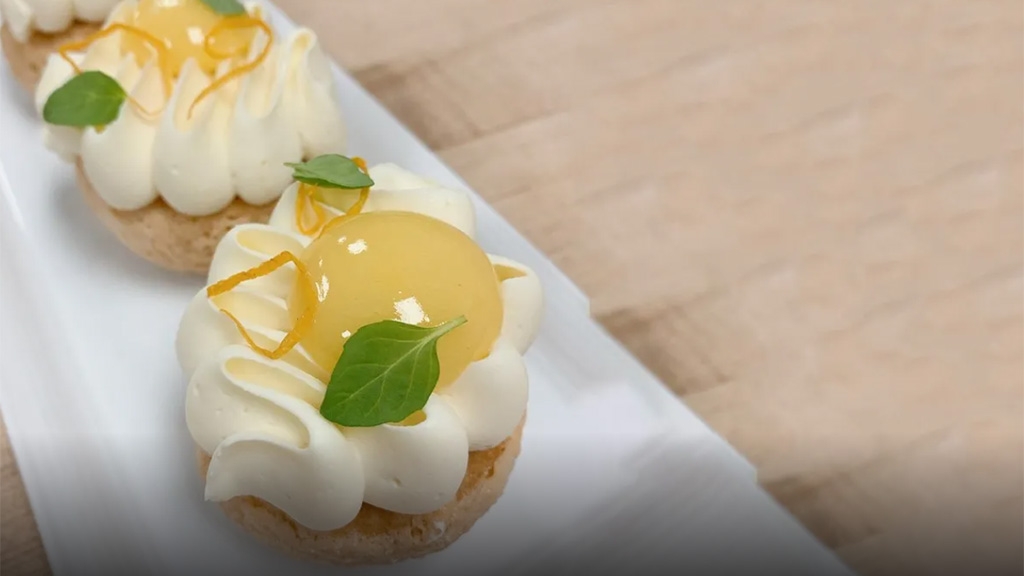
pixel 259 418
pixel 32 29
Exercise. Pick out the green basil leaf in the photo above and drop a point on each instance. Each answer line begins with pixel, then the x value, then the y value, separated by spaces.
pixel 330 171
pixel 386 372
pixel 88 99
pixel 226 7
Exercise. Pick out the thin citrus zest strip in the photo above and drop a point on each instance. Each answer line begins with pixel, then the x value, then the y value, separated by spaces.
pixel 357 207
pixel 354 210
pixel 234 24
pixel 158 46
pixel 305 195
pixel 305 320
pixel 303 198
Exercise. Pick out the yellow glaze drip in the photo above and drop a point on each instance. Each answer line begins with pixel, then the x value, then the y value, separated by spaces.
pixel 399 266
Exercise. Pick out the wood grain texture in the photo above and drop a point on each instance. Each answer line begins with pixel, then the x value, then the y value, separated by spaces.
pixel 804 216
pixel 21 549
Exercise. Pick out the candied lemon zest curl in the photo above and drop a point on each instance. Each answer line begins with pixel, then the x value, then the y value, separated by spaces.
pixel 158 46
pixel 354 210
pixel 239 23
pixel 305 320
pixel 305 196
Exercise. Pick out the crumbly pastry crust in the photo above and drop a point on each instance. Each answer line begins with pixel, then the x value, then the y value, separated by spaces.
pixel 27 59
pixel 378 536
pixel 169 238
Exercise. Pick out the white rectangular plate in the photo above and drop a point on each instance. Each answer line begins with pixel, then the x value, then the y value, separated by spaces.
pixel 614 470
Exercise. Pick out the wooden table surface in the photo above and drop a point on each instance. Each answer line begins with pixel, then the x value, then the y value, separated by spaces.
pixel 804 216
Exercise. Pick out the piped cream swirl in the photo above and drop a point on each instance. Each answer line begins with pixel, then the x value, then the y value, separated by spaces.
pixel 259 419
pixel 234 144
pixel 22 17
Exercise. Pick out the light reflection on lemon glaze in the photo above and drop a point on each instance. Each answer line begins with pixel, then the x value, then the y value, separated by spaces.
pixel 363 268
pixel 186 27
pixel 175 31
pixel 385 266
pixel 261 426
pixel 400 266
pixel 213 135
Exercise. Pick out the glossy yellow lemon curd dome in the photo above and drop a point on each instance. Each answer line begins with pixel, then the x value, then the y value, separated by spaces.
pixel 188 29
pixel 400 266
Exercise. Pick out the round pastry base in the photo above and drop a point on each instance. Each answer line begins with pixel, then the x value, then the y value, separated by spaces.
pixel 379 536
pixel 169 238
pixel 27 59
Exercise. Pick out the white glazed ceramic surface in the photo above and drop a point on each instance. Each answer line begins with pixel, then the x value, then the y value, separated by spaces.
pixel 93 400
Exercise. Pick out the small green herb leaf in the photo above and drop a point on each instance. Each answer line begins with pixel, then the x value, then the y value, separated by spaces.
pixel 88 99
pixel 330 171
pixel 386 372
pixel 226 7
